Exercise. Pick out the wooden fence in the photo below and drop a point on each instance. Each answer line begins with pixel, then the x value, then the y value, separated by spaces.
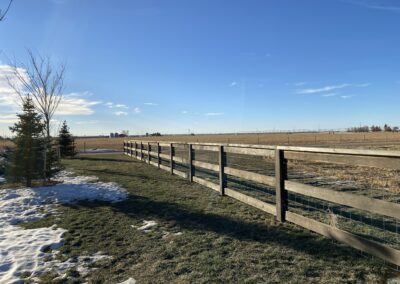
pixel 150 152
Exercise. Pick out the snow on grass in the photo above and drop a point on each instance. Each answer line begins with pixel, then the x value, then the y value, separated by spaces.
pixel 129 281
pixel 32 251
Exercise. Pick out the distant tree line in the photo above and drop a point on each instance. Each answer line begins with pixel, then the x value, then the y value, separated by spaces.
pixel 153 134
pixel 374 128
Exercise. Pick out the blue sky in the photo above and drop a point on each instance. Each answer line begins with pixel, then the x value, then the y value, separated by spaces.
pixel 212 65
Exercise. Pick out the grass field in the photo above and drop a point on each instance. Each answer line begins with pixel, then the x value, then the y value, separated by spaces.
pixel 378 139
pixel 200 237
pixel 342 139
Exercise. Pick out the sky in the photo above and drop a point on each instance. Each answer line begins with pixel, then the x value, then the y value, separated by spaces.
pixel 210 66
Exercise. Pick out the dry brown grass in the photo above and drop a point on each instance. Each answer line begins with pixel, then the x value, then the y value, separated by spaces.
pixel 365 140
pixel 343 139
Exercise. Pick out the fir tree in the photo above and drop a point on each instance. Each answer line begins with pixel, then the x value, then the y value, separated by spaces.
pixel 66 142
pixel 26 159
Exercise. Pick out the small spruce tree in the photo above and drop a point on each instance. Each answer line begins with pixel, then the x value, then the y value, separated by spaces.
pixel 26 159
pixel 66 142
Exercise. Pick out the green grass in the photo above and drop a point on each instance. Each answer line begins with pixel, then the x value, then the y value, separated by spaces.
pixel 222 241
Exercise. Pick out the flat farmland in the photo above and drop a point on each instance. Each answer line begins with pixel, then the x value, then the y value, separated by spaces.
pixel 321 139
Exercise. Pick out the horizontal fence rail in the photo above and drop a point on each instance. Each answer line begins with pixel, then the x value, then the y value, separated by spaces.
pixel 150 152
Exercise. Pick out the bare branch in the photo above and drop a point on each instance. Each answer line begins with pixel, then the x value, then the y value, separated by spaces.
pixel 42 82
pixel 3 15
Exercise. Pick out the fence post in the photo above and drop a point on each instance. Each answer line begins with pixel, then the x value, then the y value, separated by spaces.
pixel 190 162
pixel 281 193
pixel 222 176
pixel 141 151
pixel 158 154
pixel 171 151
pixel 124 148
pixel 148 152
pixel 135 149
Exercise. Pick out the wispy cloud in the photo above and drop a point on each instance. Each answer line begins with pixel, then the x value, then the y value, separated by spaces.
pixel 377 5
pixel 120 113
pixel 233 84
pixel 137 110
pixel 76 104
pixel 150 104
pixel 8 118
pixel 330 88
pixel 185 112
pixel 329 95
pixel 114 105
pixel 322 89
pixel 86 122
pixel 213 113
pixel 346 97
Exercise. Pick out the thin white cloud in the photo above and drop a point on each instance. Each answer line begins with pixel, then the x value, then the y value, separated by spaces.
pixel 76 104
pixel 329 95
pixel 150 104
pixel 137 110
pixel 330 88
pixel 114 105
pixel 8 118
pixel 374 5
pixel 346 97
pixel 120 113
pixel 185 112
pixel 213 113
pixel 86 122
pixel 233 84
pixel 322 89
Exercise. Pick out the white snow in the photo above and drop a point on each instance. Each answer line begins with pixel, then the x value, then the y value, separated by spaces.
pixel 129 281
pixel 32 250
pixel 146 227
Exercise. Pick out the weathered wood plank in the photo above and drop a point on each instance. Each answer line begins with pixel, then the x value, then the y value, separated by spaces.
pixel 362 152
pixel 250 151
pixel 179 173
pixel 180 160
pixel 353 160
pixel 206 183
pixel 348 199
pixel 267 180
pixel 206 165
pixel 205 148
pixel 165 168
pixel 165 156
pixel 386 253
pixel 266 207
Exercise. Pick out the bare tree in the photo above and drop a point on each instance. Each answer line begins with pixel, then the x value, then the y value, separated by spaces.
pixel 45 83
pixel 42 81
pixel 3 14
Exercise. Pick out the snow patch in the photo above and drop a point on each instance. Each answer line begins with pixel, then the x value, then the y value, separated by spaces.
pixel 32 250
pixel 146 227
pixel 129 281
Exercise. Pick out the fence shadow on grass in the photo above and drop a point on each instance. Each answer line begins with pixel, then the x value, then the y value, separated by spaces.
pixel 142 208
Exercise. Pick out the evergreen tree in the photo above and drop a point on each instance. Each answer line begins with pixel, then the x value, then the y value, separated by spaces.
pixel 26 159
pixel 66 142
